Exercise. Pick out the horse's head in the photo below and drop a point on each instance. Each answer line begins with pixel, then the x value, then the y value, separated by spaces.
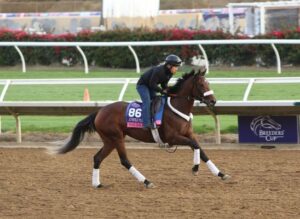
pixel 201 90
pixel 194 86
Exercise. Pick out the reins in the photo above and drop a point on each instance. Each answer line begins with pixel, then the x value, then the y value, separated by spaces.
pixel 177 96
pixel 188 97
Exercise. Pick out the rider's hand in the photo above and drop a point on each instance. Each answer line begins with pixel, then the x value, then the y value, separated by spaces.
pixel 165 92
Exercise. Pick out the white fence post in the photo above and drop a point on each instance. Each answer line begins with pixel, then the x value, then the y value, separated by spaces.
pixel 86 66
pixel 7 83
pixel 22 59
pixel 277 58
pixel 123 89
pixel 137 63
pixel 247 92
pixel 205 57
pixel 18 128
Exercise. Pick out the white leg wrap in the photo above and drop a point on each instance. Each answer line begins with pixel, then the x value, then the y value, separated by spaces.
pixel 196 156
pixel 136 174
pixel 96 177
pixel 212 167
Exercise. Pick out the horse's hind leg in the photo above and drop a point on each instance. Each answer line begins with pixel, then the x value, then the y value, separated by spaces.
pixel 98 158
pixel 212 167
pixel 126 163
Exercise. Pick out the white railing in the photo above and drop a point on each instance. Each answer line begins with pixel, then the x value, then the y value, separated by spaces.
pixel 17 108
pixel 130 45
pixel 126 81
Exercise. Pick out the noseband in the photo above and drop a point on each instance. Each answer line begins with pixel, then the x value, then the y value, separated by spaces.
pixel 203 94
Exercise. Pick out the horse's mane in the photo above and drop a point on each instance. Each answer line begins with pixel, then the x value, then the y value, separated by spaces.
pixel 176 87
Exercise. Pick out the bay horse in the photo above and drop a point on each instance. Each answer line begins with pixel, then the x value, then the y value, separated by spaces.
pixel 176 129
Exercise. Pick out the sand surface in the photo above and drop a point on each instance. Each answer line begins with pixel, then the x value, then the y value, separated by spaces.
pixel 264 184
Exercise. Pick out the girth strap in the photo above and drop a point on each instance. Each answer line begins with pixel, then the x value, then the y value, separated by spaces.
pixel 161 144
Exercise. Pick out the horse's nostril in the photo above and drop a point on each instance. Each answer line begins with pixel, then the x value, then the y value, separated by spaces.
pixel 213 102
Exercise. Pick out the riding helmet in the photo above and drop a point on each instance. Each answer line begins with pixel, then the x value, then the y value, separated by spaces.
pixel 173 60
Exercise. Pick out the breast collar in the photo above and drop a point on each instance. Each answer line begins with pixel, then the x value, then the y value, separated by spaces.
pixel 182 115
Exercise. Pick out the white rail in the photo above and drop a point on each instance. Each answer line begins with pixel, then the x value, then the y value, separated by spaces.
pixel 130 45
pixel 245 106
pixel 126 81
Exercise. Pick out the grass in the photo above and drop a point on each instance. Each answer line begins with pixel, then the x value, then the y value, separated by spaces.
pixel 78 72
pixel 201 124
pixel 61 92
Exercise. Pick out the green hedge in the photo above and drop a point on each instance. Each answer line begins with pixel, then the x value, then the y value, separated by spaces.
pixel 121 57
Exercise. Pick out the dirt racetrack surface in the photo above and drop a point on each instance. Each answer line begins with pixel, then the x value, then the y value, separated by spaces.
pixel 264 184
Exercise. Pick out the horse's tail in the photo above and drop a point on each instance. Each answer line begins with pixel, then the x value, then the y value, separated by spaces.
pixel 85 125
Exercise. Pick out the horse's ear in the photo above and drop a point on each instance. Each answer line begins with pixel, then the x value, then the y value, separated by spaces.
pixel 202 71
pixel 192 71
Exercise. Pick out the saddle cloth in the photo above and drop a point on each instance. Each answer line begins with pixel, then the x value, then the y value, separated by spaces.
pixel 134 113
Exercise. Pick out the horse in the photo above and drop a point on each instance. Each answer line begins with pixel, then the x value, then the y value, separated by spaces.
pixel 176 128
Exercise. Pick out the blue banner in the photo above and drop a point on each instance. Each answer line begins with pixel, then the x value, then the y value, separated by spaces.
pixel 268 129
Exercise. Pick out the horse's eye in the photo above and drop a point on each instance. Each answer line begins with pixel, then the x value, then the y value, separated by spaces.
pixel 201 85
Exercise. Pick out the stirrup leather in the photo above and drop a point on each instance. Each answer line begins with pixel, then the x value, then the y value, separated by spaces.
pixel 157 138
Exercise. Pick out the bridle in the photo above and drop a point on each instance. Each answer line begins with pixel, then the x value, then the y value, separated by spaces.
pixel 193 97
pixel 202 93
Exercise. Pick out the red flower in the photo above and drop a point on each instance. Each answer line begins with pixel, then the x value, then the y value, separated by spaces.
pixel 278 34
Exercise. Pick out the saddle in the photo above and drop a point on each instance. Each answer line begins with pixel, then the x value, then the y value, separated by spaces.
pixel 134 112
pixel 134 117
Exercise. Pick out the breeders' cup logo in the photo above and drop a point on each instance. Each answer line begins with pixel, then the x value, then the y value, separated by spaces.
pixel 267 128
pixel 135 105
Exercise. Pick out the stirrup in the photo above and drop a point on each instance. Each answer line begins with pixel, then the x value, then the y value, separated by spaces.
pixel 167 147
pixel 161 144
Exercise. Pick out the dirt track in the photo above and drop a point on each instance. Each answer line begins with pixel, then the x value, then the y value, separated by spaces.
pixel 264 184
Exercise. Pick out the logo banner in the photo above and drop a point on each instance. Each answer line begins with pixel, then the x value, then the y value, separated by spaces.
pixel 268 129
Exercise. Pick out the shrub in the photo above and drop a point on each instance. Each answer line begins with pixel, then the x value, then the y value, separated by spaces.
pixel 121 57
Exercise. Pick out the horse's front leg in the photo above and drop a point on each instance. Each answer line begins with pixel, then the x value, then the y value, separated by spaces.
pixel 212 167
pixel 198 154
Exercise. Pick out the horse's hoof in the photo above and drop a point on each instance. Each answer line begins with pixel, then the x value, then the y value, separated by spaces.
pixel 98 186
pixel 195 173
pixel 195 170
pixel 225 177
pixel 150 186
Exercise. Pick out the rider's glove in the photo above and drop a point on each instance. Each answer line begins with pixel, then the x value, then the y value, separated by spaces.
pixel 164 92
